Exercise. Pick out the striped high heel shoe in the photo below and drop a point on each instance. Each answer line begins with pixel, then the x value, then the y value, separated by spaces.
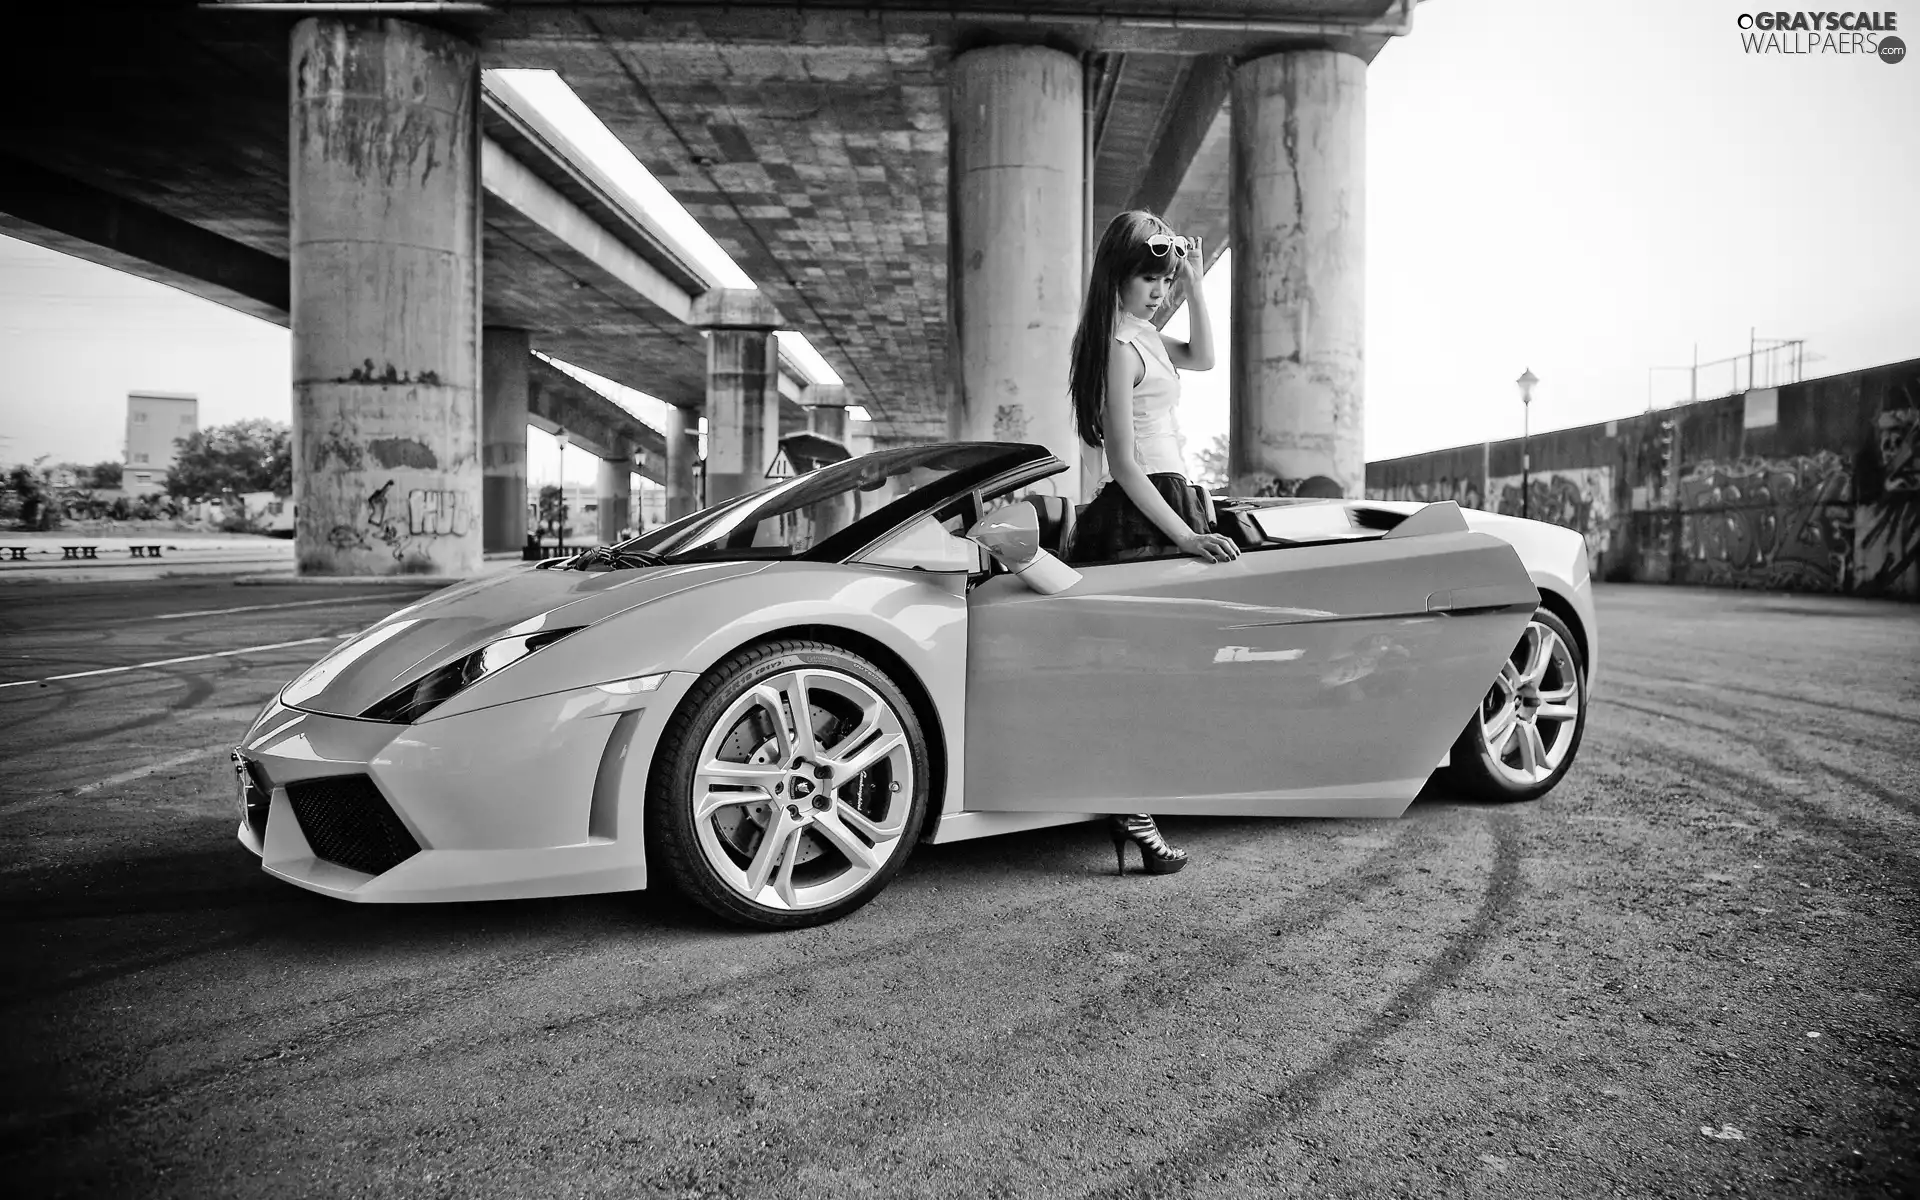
pixel 1158 857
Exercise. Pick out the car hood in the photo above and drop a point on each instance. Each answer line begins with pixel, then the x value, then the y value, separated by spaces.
pixel 448 625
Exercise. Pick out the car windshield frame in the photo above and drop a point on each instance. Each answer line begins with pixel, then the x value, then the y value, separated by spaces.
pixel 695 537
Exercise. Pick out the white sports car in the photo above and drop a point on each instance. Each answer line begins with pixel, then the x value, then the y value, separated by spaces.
pixel 770 702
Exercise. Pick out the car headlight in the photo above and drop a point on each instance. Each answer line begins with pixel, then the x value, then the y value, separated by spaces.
pixel 416 699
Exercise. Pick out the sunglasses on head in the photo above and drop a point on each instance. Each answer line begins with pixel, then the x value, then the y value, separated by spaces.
pixel 1163 244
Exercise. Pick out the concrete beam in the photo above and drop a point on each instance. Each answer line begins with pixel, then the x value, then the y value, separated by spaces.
pixel 515 184
pixel 1189 118
pixel 736 308
pixel 556 401
pixel 526 134
pixel 61 213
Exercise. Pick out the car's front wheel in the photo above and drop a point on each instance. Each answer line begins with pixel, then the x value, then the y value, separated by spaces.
pixel 790 787
pixel 1527 729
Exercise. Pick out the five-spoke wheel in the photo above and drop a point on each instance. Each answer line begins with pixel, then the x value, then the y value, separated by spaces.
pixel 1524 735
pixel 791 785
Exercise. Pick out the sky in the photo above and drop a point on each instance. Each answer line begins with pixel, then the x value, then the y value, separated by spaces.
pixel 1582 189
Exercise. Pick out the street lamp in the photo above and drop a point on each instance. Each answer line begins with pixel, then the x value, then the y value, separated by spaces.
pixel 560 440
pixel 1526 382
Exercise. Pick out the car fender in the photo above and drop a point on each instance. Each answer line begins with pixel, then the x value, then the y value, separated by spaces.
pixel 918 616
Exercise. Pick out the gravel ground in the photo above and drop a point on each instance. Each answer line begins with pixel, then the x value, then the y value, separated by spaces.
pixel 1690 971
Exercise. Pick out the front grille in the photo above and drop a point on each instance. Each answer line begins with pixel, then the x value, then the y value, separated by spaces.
pixel 257 793
pixel 347 821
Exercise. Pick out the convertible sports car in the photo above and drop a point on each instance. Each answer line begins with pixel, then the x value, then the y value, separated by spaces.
pixel 771 701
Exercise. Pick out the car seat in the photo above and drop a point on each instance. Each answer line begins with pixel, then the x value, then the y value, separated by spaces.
pixel 1056 515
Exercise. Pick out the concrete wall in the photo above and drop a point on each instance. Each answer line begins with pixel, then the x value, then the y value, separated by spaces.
pixel 1814 486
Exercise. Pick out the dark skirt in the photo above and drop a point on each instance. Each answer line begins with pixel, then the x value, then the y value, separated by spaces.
pixel 1114 529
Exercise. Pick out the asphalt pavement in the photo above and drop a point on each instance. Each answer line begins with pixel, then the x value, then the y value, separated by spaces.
pixel 1690 971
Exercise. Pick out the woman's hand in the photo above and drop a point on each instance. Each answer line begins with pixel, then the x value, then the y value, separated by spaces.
pixel 1193 268
pixel 1213 547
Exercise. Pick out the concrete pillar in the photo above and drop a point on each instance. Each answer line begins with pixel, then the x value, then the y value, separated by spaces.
pixel 827 410
pixel 829 420
pixel 385 248
pixel 503 438
pixel 1017 238
pixel 1297 181
pixel 613 497
pixel 682 437
pixel 743 388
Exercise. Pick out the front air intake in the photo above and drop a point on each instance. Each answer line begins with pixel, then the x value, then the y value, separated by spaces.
pixel 347 821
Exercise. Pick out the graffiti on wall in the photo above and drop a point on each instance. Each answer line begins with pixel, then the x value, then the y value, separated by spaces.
pixel 1578 498
pixel 1464 491
pixel 1312 487
pixel 1768 522
pixel 399 524
pixel 1888 548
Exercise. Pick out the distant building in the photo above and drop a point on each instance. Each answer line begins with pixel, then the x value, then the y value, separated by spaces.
pixel 154 420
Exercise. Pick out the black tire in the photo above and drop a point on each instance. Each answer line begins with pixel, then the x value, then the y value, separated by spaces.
pixel 1475 769
pixel 713 859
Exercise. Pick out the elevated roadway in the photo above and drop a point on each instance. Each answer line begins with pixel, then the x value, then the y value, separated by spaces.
pixel 911 185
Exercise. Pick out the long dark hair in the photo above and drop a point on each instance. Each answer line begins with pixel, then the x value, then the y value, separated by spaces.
pixel 1121 255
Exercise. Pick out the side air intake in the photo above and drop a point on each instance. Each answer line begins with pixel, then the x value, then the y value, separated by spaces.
pixel 347 821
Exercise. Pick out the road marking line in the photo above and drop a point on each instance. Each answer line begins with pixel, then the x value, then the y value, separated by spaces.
pixel 221 612
pixel 152 767
pixel 123 777
pixel 168 662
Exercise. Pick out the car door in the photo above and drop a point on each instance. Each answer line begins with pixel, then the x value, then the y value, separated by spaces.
pixel 1313 680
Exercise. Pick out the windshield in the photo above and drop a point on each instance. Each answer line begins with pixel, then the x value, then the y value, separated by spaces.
pixel 836 509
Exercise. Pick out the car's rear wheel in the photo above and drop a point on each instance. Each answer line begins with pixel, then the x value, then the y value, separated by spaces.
pixel 1525 733
pixel 791 786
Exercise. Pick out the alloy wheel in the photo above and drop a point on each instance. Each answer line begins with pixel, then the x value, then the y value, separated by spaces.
pixel 1530 714
pixel 803 789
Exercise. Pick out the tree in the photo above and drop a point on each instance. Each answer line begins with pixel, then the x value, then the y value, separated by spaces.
pixel 101 475
pixel 254 455
pixel 1212 465
pixel 32 495
pixel 552 506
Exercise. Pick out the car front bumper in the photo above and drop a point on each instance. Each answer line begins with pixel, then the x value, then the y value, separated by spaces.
pixel 537 797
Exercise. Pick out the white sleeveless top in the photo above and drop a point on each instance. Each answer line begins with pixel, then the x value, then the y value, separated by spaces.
pixel 1157 443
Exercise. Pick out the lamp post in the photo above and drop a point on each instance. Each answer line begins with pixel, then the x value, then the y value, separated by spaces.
pixel 560 440
pixel 1526 382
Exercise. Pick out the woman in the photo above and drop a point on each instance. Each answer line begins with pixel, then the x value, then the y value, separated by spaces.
pixel 1126 393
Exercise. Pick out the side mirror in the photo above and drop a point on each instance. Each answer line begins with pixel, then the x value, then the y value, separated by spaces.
pixel 1012 536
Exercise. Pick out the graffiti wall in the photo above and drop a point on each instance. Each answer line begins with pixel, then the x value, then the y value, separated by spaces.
pixel 1578 497
pixel 1887 521
pixel 1780 523
pixel 1813 486
pixel 1466 491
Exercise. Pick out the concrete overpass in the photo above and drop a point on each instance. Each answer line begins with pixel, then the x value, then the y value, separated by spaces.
pixel 911 185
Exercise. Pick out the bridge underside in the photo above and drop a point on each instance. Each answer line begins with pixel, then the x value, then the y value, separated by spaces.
pixel 813 143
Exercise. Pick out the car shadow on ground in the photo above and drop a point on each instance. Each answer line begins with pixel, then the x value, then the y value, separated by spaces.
pixel 196 891
pixel 82 923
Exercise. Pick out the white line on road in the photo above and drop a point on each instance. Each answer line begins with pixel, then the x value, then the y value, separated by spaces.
pixel 221 612
pixel 123 777
pixel 151 767
pixel 168 662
